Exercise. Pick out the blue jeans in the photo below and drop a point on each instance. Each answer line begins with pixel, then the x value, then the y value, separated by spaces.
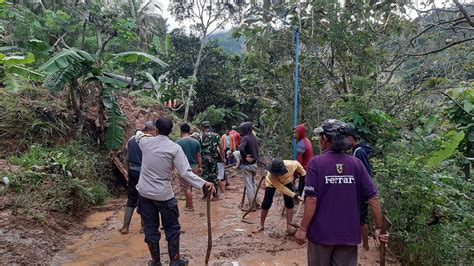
pixel 150 211
pixel 249 171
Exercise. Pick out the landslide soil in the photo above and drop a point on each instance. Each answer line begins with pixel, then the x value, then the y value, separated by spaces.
pixel 233 240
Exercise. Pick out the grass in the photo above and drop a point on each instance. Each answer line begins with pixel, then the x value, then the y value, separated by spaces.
pixel 67 179
pixel 33 113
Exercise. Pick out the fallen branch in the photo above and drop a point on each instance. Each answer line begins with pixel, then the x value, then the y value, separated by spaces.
pixel 120 166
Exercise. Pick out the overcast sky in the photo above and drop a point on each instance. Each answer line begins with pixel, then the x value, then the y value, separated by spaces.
pixel 172 24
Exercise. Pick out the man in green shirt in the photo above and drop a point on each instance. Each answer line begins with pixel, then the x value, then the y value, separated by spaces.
pixel 192 149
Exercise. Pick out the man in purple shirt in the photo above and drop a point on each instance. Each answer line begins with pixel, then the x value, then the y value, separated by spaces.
pixel 336 182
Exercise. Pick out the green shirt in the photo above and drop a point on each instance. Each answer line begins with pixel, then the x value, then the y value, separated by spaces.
pixel 190 147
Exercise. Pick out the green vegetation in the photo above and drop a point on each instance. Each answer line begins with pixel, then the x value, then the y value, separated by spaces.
pixel 68 179
pixel 401 75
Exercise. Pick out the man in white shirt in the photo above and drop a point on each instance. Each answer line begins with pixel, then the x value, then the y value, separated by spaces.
pixel 159 156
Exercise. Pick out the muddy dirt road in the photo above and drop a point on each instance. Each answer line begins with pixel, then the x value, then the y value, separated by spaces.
pixel 233 241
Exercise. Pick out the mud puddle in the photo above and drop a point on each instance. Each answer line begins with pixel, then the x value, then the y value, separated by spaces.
pixel 233 241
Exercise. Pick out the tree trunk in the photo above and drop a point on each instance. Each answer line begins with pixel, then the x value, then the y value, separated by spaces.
pixel 76 105
pixel 132 9
pixel 467 165
pixel 83 34
pixel 195 70
pixel 99 37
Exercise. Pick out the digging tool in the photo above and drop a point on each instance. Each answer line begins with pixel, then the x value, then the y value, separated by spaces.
pixel 386 224
pixel 209 231
pixel 254 200
pixel 243 198
pixel 299 205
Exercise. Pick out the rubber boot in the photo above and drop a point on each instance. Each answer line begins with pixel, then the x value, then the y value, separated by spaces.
pixel 127 218
pixel 175 258
pixel 155 255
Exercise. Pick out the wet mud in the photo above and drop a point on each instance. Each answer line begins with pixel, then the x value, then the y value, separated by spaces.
pixel 233 240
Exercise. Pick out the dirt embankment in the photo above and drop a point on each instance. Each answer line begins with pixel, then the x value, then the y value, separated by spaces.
pixel 34 235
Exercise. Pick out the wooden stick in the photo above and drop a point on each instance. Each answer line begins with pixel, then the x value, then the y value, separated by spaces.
pixel 209 231
pixel 243 198
pixel 299 205
pixel 254 199
pixel 386 224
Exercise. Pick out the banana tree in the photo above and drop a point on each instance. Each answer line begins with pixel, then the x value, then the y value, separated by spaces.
pixel 13 70
pixel 78 68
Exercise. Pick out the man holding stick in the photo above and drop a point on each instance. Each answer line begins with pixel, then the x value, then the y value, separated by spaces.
pixel 280 177
pixel 334 185
pixel 156 197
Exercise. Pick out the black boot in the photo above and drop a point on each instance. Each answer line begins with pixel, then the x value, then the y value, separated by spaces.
pixel 155 255
pixel 175 258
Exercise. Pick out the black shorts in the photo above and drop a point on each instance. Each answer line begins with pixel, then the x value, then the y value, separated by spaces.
pixel 270 192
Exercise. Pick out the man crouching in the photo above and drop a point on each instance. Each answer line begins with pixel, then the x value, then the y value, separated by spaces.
pixel 156 196
pixel 280 177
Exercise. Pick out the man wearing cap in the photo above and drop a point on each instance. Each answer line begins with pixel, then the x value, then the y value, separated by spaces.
pixel 211 156
pixel 280 177
pixel 248 163
pixel 156 197
pixel 335 183
pixel 361 152
pixel 304 152
pixel 133 159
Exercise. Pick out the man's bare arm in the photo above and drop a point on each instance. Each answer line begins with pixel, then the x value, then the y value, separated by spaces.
pixel 309 210
pixel 376 211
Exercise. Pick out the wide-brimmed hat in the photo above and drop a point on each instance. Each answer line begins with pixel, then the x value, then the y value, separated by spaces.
pixel 205 124
pixel 277 167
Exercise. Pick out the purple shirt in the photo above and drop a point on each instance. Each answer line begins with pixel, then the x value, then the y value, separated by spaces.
pixel 338 181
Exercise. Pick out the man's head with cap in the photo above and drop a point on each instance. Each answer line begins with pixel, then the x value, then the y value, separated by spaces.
pixel 332 134
pixel 205 125
pixel 277 167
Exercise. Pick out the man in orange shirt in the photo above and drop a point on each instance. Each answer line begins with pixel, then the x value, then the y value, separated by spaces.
pixel 227 144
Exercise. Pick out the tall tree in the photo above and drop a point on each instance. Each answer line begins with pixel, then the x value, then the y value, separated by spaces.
pixel 207 17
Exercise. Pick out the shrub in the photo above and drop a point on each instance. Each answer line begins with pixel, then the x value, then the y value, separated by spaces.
pixel 67 179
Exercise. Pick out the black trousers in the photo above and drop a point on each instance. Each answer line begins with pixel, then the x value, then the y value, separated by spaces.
pixel 150 211
pixel 132 192
pixel 268 198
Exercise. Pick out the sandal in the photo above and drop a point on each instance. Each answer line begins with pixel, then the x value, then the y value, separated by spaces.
pixel 294 225
pixel 258 229
pixel 187 209
pixel 290 232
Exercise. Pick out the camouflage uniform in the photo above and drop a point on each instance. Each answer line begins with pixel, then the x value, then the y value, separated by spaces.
pixel 210 155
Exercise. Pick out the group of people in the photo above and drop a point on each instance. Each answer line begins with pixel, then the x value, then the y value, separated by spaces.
pixel 336 188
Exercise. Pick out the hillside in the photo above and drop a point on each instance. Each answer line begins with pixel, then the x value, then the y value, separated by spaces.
pixel 226 41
